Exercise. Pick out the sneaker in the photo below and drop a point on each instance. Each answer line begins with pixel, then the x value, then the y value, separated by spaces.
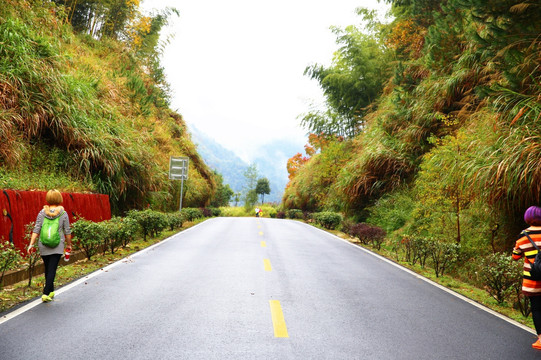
pixel 51 295
pixel 537 344
pixel 45 298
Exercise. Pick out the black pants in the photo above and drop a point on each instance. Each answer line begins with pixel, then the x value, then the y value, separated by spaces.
pixel 51 263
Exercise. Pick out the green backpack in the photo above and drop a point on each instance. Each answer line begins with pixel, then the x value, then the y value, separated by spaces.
pixel 49 235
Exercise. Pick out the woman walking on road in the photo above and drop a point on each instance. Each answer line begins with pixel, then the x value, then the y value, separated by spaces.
pixel 525 247
pixel 53 229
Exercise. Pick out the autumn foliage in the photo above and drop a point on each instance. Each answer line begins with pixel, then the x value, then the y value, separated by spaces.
pixel 315 143
pixel 450 144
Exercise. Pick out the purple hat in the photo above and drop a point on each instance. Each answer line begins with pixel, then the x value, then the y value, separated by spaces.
pixel 532 216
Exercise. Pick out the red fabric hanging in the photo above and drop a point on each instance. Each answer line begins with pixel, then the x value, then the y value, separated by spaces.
pixel 19 208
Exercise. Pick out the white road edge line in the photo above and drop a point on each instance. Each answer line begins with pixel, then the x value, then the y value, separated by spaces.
pixel 454 293
pixel 36 302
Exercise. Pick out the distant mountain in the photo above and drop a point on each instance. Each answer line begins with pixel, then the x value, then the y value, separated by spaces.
pixel 223 160
pixel 271 160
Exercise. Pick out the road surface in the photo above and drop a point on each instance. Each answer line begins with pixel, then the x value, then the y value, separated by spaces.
pixel 248 288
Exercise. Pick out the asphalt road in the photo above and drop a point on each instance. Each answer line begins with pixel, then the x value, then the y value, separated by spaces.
pixel 247 288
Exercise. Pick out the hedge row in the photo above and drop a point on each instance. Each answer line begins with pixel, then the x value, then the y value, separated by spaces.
pixel 92 237
pixel 496 273
pixel 328 219
pixel 109 235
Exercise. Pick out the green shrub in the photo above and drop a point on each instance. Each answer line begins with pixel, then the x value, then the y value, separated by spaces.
pixel 9 257
pixel 443 256
pixel 87 236
pixel 159 223
pixel 175 220
pixel 191 214
pixel 416 249
pixel 215 212
pixel 151 222
pixel 108 241
pixel 294 214
pixel 119 232
pixel 143 218
pixel 328 219
pixel 128 231
pixel 499 275
pixel 234 211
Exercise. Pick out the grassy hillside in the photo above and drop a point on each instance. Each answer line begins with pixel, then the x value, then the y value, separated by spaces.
pixel 82 113
pixel 450 146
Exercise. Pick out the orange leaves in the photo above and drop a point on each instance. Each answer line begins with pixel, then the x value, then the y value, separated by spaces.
pixel 315 143
pixel 321 141
pixel 407 37
pixel 309 150
pixel 294 164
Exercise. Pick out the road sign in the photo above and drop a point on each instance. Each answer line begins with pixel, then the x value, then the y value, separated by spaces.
pixel 178 168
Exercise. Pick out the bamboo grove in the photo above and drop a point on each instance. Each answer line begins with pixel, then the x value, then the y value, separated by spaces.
pixel 432 124
pixel 84 105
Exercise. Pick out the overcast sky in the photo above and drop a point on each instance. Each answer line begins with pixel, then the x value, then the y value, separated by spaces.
pixel 236 67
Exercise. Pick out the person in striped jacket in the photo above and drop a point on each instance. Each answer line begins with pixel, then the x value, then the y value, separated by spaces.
pixel 524 248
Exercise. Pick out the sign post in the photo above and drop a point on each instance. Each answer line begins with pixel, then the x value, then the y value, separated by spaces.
pixel 178 170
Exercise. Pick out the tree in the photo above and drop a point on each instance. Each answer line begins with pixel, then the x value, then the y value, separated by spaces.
pixel 262 188
pixel 250 195
pixel 294 164
pixel 236 198
pixel 223 193
pixel 354 80
pixel 100 17
pixel 250 199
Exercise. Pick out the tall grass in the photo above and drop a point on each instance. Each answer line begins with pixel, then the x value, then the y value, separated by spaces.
pixel 94 102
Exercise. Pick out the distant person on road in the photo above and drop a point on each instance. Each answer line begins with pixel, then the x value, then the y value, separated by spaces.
pixel 256 212
pixel 53 230
pixel 523 247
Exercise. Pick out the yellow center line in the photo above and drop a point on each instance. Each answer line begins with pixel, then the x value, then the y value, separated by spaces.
pixel 278 321
pixel 261 233
pixel 267 264
pixel 263 244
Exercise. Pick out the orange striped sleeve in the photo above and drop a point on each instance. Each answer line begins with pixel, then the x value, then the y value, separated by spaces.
pixel 524 248
pixel 517 253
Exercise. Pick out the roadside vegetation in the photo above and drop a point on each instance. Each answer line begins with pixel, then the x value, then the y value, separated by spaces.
pixel 84 97
pixel 267 210
pixel 429 142
pixel 428 150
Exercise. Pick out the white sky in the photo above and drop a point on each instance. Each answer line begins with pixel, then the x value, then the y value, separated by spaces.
pixel 236 67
